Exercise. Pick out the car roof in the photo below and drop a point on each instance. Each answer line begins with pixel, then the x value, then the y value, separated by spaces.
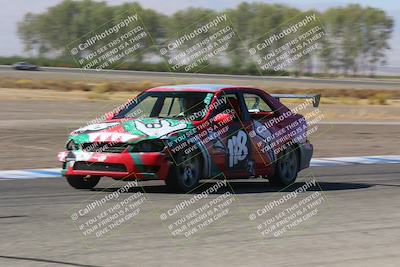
pixel 194 88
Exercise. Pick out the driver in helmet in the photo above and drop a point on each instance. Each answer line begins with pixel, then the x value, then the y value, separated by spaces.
pixel 191 105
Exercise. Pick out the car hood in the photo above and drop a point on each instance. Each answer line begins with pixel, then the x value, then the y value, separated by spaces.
pixel 129 131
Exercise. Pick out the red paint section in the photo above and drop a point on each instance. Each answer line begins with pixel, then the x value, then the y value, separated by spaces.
pixel 155 160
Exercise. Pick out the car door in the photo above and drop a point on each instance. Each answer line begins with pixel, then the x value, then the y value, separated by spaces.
pixel 258 116
pixel 230 150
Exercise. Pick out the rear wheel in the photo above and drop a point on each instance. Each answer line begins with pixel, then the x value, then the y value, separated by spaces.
pixel 83 182
pixel 185 175
pixel 286 168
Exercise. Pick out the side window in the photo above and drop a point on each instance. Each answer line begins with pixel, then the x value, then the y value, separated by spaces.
pixel 165 107
pixel 256 106
pixel 170 106
pixel 228 103
pixel 143 109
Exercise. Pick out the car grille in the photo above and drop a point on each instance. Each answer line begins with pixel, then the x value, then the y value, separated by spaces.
pixel 99 166
pixel 148 146
pixel 148 168
pixel 104 147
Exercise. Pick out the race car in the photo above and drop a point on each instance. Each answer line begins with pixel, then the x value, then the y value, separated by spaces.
pixel 184 133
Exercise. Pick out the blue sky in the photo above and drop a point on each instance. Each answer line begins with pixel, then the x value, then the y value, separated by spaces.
pixel 13 11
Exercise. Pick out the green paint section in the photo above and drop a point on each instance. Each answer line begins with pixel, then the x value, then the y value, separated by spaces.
pixel 79 139
pixel 208 99
pixel 130 127
pixel 138 162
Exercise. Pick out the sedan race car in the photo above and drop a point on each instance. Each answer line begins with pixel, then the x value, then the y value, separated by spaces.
pixel 184 133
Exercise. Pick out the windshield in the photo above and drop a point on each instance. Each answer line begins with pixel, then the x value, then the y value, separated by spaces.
pixel 179 105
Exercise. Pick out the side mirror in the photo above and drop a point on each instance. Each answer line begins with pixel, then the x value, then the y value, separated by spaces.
pixel 109 116
pixel 223 118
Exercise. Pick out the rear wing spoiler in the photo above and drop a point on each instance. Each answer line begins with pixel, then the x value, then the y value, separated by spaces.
pixel 315 97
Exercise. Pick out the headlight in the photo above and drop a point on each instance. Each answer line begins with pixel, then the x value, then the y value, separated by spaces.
pixel 71 145
pixel 147 146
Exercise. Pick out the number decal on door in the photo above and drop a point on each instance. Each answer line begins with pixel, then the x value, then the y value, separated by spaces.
pixel 237 148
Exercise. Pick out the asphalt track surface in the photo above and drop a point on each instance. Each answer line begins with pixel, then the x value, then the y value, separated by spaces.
pixel 358 224
pixel 123 75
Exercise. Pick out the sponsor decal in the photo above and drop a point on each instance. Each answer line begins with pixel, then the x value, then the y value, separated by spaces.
pixel 250 167
pixel 95 127
pixel 266 136
pixel 158 128
pixel 114 137
pixel 237 148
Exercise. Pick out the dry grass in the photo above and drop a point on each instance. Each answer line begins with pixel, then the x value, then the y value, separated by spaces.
pixel 378 99
pixel 67 85
pixel 101 90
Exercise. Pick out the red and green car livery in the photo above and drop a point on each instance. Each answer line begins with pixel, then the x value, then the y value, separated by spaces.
pixel 184 133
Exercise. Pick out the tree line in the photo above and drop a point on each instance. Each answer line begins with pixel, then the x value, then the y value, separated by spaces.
pixel 355 42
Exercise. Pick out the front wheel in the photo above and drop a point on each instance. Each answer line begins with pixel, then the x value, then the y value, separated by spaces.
pixel 286 168
pixel 185 175
pixel 83 182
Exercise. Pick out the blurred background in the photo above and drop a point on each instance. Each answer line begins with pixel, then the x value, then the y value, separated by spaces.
pixel 361 35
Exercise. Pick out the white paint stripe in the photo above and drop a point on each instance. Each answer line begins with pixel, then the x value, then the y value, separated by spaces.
pixel 355 160
pixel 360 122
pixel 317 162
pixel 323 163
pixel 30 174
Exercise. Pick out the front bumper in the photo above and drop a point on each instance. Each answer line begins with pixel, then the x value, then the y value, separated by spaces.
pixel 141 166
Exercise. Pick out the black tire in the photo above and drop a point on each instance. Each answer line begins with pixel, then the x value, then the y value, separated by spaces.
pixel 185 175
pixel 83 182
pixel 286 168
